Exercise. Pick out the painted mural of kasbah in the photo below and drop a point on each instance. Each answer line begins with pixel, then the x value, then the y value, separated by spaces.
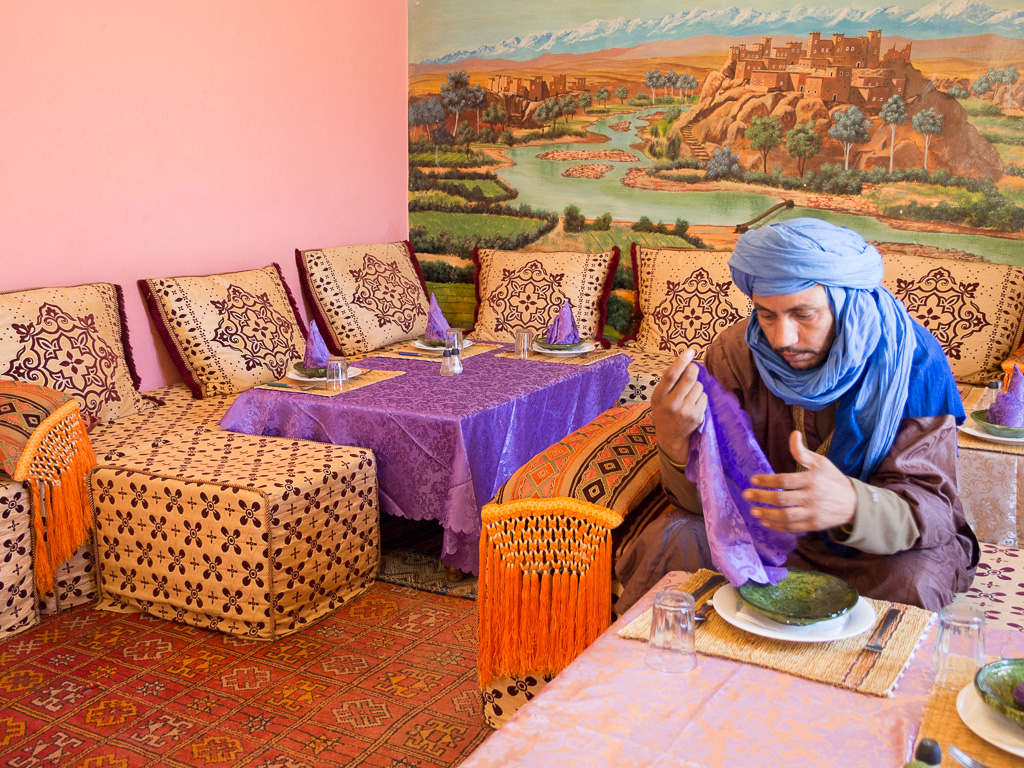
pixel 911 132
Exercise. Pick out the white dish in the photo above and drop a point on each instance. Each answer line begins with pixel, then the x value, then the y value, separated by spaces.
pixel 987 723
pixel 972 429
pixel 859 620
pixel 293 374
pixel 583 346
pixel 438 350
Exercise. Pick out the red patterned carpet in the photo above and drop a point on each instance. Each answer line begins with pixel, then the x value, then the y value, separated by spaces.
pixel 388 681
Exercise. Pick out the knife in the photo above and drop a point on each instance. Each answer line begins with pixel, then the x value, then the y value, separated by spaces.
pixel 878 641
pixel 715 581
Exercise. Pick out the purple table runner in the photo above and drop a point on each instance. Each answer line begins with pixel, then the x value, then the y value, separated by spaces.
pixel 444 444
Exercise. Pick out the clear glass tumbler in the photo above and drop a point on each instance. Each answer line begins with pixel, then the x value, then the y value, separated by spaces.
pixel 337 373
pixel 524 340
pixel 453 339
pixel 959 647
pixel 670 647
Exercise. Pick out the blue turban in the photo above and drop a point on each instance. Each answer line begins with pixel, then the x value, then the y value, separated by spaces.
pixel 883 366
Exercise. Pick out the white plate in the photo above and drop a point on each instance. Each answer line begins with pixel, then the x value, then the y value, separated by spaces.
pixel 293 374
pixel 438 350
pixel 584 346
pixel 987 723
pixel 972 429
pixel 860 619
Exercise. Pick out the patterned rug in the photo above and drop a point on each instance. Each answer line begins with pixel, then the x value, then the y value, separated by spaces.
pixel 388 681
pixel 412 558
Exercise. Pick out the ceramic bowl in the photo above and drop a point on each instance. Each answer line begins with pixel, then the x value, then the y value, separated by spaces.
pixel 995 429
pixel 996 681
pixel 558 347
pixel 432 342
pixel 311 373
pixel 803 597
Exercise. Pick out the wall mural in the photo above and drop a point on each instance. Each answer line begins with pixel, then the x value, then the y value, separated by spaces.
pixel 574 128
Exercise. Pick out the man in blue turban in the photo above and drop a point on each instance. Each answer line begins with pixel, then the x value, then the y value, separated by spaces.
pixel 856 409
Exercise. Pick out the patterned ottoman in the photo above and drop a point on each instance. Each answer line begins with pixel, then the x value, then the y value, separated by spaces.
pixel 19 609
pixel 250 536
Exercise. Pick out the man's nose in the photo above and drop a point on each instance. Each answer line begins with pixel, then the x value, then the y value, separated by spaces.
pixel 786 334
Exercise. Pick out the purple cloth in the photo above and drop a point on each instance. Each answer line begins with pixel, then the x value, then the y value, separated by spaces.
pixel 563 328
pixel 444 445
pixel 1008 409
pixel 436 323
pixel 316 350
pixel 723 456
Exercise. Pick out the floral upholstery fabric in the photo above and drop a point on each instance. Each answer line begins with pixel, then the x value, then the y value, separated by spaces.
pixel 685 297
pixel 998 587
pixel 18 603
pixel 612 462
pixel 525 290
pixel 644 374
pixel 504 696
pixel 72 340
pixel 228 332
pixel 74 583
pixel 975 309
pixel 364 296
pixel 250 536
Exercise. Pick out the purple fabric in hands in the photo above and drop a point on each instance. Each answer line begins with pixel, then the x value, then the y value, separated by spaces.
pixel 1008 409
pixel 316 349
pixel 723 457
pixel 436 322
pixel 563 328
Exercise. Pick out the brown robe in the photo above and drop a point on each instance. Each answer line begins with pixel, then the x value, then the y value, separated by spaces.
pixel 914 543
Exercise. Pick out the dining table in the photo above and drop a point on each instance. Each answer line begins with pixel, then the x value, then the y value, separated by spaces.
pixel 608 708
pixel 444 444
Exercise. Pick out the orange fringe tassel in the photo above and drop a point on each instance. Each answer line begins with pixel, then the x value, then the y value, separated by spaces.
pixel 545 584
pixel 55 463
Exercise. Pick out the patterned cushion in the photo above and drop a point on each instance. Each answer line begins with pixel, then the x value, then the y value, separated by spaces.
pixel 18 604
pixel 365 296
pixel 229 332
pixel 74 582
pixel 685 297
pixel 517 291
pixel 23 407
pixel 998 587
pixel 644 374
pixel 975 309
pixel 73 340
pixel 612 462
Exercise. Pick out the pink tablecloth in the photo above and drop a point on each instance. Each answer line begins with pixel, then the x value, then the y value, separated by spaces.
pixel 608 709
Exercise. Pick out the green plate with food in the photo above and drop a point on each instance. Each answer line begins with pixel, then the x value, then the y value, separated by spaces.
pixel 1001 685
pixel 559 347
pixel 803 597
pixel 981 418
pixel 310 373
pixel 431 342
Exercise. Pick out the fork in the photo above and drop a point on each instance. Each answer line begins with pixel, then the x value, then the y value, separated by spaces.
pixel 963 758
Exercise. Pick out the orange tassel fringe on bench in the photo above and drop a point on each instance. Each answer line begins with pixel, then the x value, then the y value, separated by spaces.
pixel 545 584
pixel 54 464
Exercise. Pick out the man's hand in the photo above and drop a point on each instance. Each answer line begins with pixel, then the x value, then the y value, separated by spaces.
pixel 677 407
pixel 815 500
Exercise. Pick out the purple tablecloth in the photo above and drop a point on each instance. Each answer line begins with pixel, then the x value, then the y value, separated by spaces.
pixel 444 444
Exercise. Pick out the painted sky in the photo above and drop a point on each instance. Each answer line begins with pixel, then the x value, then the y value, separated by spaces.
pixel 448 29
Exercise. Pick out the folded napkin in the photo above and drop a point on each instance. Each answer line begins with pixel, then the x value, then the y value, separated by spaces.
pixel 436 323
pixel 723 457
pixel 1008 409
pixel 563 328
pixel 316 350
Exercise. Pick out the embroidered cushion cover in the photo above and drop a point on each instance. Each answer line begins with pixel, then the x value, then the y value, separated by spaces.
pixel 685 298
pixel 23 407
pixel 73 340
pixel 525 290
pixel 365 297
pixel 227 332
pixel 974 309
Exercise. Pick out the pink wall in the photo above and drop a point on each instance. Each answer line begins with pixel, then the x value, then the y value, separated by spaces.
pixel 176 137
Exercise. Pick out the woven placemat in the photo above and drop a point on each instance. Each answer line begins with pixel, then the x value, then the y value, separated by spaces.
pixel 942 723
pixel 414 353
pixel 364 379
pixel 965 440
pixel 842 663
pixel 591 357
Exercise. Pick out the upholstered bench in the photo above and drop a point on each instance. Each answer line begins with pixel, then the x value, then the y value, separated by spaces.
pixel 250 536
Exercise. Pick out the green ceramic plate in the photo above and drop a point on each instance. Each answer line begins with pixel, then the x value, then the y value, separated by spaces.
pixel 996 681
pixel 995 429
pixel 432 342
pixel 312 373
pixel 803 597
pixel 558 347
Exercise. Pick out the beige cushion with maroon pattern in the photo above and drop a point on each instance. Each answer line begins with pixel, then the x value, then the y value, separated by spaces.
pixel 365 296
pixel 228 332
pixel 19 608
pixel 525 290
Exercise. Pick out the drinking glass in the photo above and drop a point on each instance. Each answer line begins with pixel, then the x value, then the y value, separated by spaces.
pixel 524 340
pixel 959 647
pixel 670 648
pixel 337 373
pixel 453 339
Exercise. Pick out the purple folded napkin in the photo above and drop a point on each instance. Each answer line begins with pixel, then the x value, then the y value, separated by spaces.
pixel 316 350
pixel 563 328
pixel 1008 409
pixel 723 456
pixel 436 324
